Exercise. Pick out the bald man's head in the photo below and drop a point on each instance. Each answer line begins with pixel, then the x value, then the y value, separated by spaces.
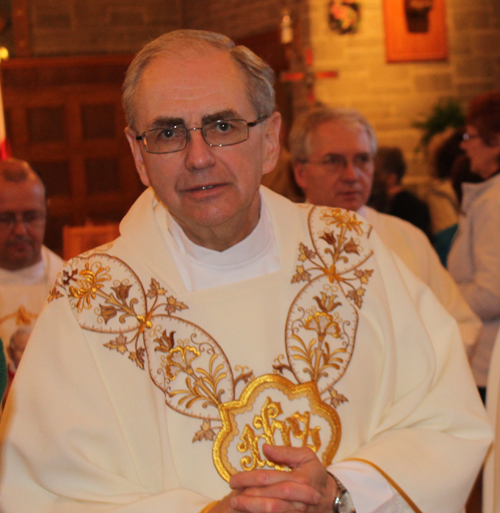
pixel 23 212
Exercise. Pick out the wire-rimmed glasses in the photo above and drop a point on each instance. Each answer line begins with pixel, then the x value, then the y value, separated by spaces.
pixel 336 162
pixel 172 138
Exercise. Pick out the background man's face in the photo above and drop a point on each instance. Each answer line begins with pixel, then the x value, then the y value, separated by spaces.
pixel 20 244
pixel 202 185
pixel 347 187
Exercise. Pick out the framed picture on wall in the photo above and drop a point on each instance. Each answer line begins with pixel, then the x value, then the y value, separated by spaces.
pixel 415 30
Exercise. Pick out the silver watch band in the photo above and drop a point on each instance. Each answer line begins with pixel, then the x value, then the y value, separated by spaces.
pixel 343 501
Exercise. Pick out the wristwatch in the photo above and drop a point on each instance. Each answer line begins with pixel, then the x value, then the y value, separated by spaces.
pixel 342 503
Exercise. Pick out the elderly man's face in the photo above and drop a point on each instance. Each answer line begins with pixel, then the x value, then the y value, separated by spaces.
pixel 212 192
pixel 340 168
pixel 21 241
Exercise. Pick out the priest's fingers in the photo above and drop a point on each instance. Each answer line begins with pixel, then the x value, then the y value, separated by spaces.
pixel 262 478
pixel 287 490
pixel 306 483
pixel 242 502
pixel 293 457
pixel 303 462
pixel 248 504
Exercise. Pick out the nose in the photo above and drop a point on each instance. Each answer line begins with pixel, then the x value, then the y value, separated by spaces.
pixel 349 174
pixel 19 228
pixel 198 153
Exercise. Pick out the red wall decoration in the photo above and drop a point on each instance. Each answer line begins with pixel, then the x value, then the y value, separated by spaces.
pixel 415 30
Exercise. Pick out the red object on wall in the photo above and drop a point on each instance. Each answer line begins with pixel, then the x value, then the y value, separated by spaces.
pixel 5 151
pixel 415 37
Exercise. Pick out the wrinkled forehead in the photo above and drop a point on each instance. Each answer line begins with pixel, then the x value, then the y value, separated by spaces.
pixel 191 85
pixel 339 136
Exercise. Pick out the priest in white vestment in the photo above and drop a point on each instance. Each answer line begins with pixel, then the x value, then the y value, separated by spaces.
pixel 332 153
pixel 28 269
pixel 232 351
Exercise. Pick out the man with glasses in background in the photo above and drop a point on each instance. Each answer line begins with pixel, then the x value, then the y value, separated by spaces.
pixel 28 269
pixel 232 351
pixel 333 152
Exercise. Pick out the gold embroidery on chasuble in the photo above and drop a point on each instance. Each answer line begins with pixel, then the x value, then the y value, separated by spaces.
pixel 22 316
pixel 294 406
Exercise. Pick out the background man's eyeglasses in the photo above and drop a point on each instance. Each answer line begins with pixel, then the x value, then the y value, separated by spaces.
pixel 29 218
pixel 468 137
pixel 337 162
pixel 224 132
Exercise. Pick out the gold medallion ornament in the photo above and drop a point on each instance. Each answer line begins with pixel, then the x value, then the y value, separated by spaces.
pixel 273 410
pixel 297 404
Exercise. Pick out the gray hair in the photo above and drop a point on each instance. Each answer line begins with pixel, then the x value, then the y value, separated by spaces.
pixel 260 77
pixel 304 127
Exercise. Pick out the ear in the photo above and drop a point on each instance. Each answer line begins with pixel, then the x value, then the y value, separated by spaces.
pixel 299 172
pixel 271 142
pixel 136 147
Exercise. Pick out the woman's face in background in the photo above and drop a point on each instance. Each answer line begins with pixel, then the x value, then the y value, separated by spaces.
pixel 484 158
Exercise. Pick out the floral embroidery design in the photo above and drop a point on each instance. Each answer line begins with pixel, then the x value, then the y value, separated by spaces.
pixel 194 374
pixel 322 321
pixel 183 360
pixel 22 316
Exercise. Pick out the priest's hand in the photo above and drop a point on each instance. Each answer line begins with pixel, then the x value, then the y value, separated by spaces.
pixel 306 488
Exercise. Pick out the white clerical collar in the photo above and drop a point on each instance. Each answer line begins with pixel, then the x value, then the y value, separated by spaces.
pixel 362 210
pixel 202 268
pixel 240 254
pixel 27 276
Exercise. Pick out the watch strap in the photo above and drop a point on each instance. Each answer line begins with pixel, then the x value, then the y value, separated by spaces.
pixel 342 503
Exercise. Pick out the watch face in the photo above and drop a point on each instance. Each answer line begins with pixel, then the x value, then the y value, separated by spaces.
pixel 343 502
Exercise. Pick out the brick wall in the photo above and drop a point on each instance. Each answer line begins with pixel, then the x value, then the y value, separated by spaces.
pixel 234 18
pixel 69 27
pixel 393 95
pixel 390 95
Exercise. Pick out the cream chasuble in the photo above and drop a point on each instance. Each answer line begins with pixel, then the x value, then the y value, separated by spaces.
pixel 202 268
pixel 415 250
pixel 149 396
pixel 23 293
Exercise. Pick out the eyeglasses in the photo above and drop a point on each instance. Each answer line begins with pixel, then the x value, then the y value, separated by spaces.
pixel 336 162
pixel 468 137
pixel 29 218
pixel 223 132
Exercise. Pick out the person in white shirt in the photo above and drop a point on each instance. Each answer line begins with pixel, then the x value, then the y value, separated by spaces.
pixel 28 269
pixel 333 152
pixel 232 351
pixel 474 260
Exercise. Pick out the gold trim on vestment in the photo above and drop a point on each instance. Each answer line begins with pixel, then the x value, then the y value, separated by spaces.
pixel 147 323
pixel 393 483
pixel 305 428
pixel 208 507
